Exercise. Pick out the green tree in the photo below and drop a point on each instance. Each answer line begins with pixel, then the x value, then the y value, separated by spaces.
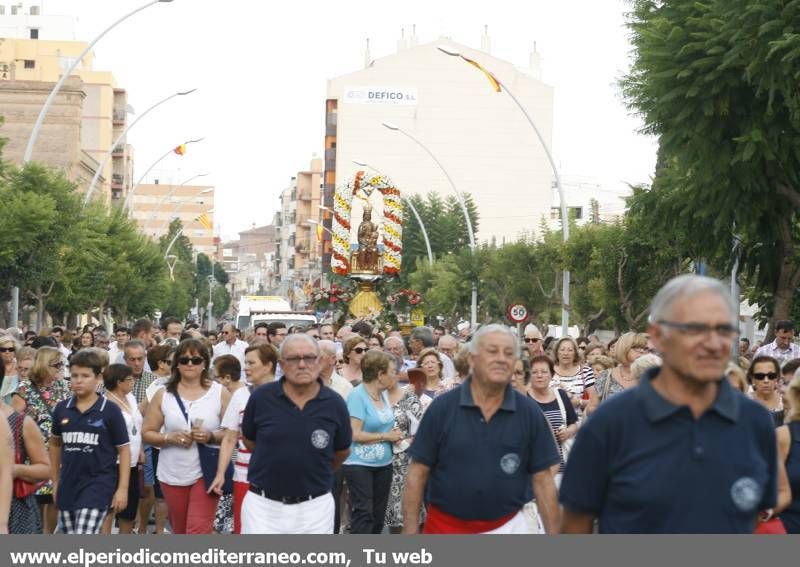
pixel 717 83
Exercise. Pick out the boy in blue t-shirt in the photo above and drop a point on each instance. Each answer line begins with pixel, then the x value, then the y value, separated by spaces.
pixel 88 435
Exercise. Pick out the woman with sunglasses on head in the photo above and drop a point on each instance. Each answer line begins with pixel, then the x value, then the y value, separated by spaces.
pixel 37 396
pixel 8 360
pixel 353 352
pixel 190 410
pixel 574 377
pixel 627 349
pixel 763 376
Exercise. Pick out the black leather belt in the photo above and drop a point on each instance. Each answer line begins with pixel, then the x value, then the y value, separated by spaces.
pixel 284 499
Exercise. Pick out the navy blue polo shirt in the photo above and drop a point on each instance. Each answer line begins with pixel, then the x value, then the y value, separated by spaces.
pixel 644 465
pixel 479 470
pixel 294 448
pixel 89 451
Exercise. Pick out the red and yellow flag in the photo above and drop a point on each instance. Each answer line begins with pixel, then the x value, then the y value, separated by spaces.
pixel 205 221
pixel 495 82
pixel 180 150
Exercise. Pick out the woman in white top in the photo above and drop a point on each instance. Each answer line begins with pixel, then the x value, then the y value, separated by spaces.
pixel 118 382
pixel 574 378
pixel 191 507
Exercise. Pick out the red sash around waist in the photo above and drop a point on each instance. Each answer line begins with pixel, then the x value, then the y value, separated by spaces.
pixel 440 522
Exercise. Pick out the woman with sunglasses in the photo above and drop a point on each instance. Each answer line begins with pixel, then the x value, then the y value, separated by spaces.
pixel 352 353
pixel 763 376
pixel 189 410
pixel 8 352
pixel 37 396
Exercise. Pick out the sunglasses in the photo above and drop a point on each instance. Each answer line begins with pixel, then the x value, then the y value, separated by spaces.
pixel 530 340
pixel 195 360
pixel 767 375
pixel 359 350
pixel 8 349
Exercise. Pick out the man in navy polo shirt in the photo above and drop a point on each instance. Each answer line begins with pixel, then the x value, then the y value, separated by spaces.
pixel 683 452
pixel 89 452
pixel 299 433
pixel 480 448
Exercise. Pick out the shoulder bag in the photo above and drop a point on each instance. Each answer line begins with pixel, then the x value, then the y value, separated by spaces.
pixel 209 457
pixel 22 488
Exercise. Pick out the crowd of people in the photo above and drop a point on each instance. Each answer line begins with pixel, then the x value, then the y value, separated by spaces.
pixel 354 429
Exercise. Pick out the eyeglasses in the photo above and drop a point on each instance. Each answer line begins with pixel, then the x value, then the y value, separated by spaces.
pixel 765 375
pixel 530 340
pixel 359 350
pixel 642 350
pixel 8 349
pixel 725 330
pixel 57 365
pixel 195 360
pixel 339 361
pixel 295 360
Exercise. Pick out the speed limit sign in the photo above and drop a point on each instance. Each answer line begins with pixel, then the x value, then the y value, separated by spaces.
pixel 518 313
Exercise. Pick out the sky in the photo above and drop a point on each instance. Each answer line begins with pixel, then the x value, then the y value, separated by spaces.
pixel 261 68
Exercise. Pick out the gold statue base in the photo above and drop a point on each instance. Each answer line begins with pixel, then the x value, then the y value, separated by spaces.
pixel 366 302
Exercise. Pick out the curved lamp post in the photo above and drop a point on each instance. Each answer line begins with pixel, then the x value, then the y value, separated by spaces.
pixel 51 97
pixel 127 202
pixel 500 85
pixel 169 196
pixel 395 128
pixel 122 137
pixel 410 206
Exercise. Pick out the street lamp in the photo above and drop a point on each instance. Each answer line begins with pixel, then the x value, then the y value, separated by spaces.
pixel 122 137
pixel 498 84
pixel 410 206
pixel 127 202
pixel 395 128
pixel 51 97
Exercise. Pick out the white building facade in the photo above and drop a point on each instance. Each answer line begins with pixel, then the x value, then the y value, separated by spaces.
pixel 480 137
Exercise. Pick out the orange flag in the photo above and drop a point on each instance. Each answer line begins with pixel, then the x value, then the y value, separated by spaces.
pixel 204 221
pixel 495 83
pixel 180 150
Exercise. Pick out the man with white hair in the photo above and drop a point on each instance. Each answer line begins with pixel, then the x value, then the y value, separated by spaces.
pixel 683 452
pixel 299 432
pixel 480 449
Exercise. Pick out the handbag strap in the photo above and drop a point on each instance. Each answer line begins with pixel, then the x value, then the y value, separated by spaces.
pixel 178 399
pixel 607 384
pixel 18 438
pixel 561 407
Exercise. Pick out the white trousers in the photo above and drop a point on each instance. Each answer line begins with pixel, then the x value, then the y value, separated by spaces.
pixel 516 525
pixel 263 516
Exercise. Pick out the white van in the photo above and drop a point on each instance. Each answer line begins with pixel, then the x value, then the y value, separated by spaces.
pixel 254 309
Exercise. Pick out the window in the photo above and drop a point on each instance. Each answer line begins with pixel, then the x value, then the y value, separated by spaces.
pixel 2 10
pixel 34 12
pixel 14 10
pixel 576 212
pixel 34 33
pixel 30 64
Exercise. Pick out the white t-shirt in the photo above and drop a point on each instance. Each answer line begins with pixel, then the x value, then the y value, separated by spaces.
pixel 133 423
pixel 340 385
pixel 179 466
pixel 233 420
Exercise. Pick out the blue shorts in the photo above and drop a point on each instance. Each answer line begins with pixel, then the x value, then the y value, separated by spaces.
pixel 149 468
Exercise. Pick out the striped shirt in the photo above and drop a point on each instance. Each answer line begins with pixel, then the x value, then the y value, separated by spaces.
pixel 576 384
pixel 782 356
pixel 552 412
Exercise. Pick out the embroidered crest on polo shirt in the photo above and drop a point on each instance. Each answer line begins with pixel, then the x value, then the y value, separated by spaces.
pixel 746 494
pixel 320 438
pixel 65 421
pixel 510 463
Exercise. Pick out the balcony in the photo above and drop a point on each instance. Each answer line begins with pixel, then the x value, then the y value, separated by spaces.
pixel 117 181
pixel 304 195
pixel 330 124
pixel 119 117
pixel 302 248
pixel 118 151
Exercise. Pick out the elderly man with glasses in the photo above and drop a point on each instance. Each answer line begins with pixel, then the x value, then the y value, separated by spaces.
pixel 683 452
pixel 299 432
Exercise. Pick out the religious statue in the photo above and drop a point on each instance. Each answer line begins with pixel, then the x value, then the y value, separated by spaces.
pixel 367 259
